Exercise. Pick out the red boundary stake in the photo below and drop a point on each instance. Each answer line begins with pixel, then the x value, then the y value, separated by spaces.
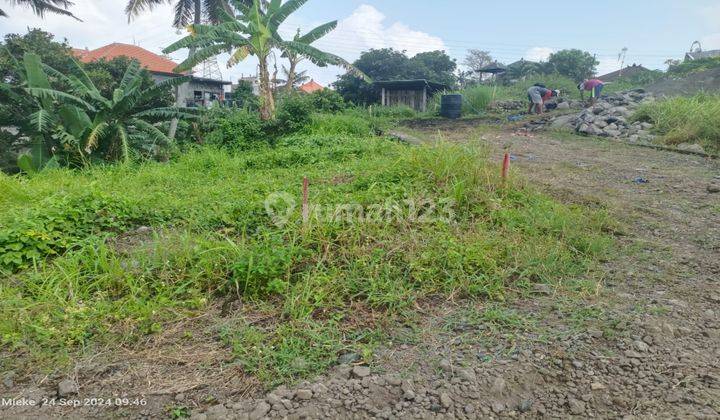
pixel 305 203
pixel 506 166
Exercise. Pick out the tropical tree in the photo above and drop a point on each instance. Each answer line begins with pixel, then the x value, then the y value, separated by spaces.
pixel 79 125
pixel 252 32
pixel 295 58
pixel 575 64
pixel 186 11
pixel 298 78
pixel 40 7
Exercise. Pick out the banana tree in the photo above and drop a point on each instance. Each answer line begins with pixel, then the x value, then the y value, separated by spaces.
pixel 252 32
pixel 83 126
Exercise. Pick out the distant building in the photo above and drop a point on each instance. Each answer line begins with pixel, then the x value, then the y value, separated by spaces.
pixel 630 71
pixel 699 55
pixel 412 93
pixel 311 87
pixel 198 91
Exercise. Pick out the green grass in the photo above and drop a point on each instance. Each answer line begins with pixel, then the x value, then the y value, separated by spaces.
pixel 74 282
pixel 678 120
pixel 518 91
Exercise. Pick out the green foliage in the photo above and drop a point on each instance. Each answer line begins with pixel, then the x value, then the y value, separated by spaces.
pixel 476 99
pixel 55 225
pixel 389 64
pixel 243 96
pixel 254 32
pixel 394 113
pixel 575 64
pixel 41 7
pixel 687 67
pixel 685 119
pixel 86 276
pixel 78 125
pixel 293 113
pixel 107 74
pixel 347 124
pixel 290 351
pixel 238 129
pixel 327 101
pixel 637 80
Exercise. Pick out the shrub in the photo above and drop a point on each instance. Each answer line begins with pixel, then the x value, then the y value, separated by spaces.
pixel 339 124
pixel 685 120
pixel 687 67
pixel 327 100
pixel 293 113
pixel 476 99
pixel 393 112
pixel 237 129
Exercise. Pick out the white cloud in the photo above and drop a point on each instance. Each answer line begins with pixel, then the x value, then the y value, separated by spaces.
pixel 608 65
pixel 104 22
pixel 711 42
pixel 538 53
pixel 366 28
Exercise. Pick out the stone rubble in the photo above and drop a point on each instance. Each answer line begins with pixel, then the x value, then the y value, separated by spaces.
pixel 609 117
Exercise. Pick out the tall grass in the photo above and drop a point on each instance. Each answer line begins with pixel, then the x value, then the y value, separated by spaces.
pixel 693 119
pixel 518 91
pixel 77 279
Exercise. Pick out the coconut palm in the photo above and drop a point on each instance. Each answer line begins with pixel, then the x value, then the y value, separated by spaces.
pixel 40 7
pixel 186 11
pixel 81 125
pixel 252 32
pixel 298 78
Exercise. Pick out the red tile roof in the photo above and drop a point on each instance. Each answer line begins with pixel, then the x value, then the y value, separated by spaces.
pixel 311 87
pixel 151 61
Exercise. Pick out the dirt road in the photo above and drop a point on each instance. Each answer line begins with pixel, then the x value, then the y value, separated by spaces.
pixel 647 344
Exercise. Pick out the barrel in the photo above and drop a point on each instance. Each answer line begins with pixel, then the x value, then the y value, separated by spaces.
pixel 451 106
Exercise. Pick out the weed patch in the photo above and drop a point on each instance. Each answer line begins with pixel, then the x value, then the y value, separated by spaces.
pixel 212 238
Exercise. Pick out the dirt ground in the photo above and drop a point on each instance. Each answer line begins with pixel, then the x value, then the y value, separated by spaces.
pixel 645 344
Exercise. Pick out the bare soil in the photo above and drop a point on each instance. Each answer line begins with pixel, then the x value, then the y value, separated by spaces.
pixel 645 344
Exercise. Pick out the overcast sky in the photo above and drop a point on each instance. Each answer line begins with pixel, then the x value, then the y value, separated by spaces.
pixel 653 31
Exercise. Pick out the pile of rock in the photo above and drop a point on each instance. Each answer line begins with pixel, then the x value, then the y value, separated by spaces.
pixel 610 117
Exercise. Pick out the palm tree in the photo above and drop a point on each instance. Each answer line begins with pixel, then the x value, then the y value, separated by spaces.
pixel 186 11
pixel 40 7
pixel 299 78
pixel 294 58
pixel 253 32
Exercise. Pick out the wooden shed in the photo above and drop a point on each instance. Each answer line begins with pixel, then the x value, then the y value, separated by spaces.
pixel 412 93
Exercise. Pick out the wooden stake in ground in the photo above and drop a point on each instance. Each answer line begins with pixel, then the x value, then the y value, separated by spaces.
pixel 506 167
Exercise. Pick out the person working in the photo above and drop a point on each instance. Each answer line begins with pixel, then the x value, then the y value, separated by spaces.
pixel 594 86
pixel 537 96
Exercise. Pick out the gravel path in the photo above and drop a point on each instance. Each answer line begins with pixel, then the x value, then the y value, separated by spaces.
pixel 647 344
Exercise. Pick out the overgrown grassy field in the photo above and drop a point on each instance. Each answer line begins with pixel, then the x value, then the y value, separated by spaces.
pixel 693 119
pixel 74 279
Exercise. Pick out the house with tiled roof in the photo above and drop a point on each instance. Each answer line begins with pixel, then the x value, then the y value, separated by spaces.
pixel 198 91
pixel 311 86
